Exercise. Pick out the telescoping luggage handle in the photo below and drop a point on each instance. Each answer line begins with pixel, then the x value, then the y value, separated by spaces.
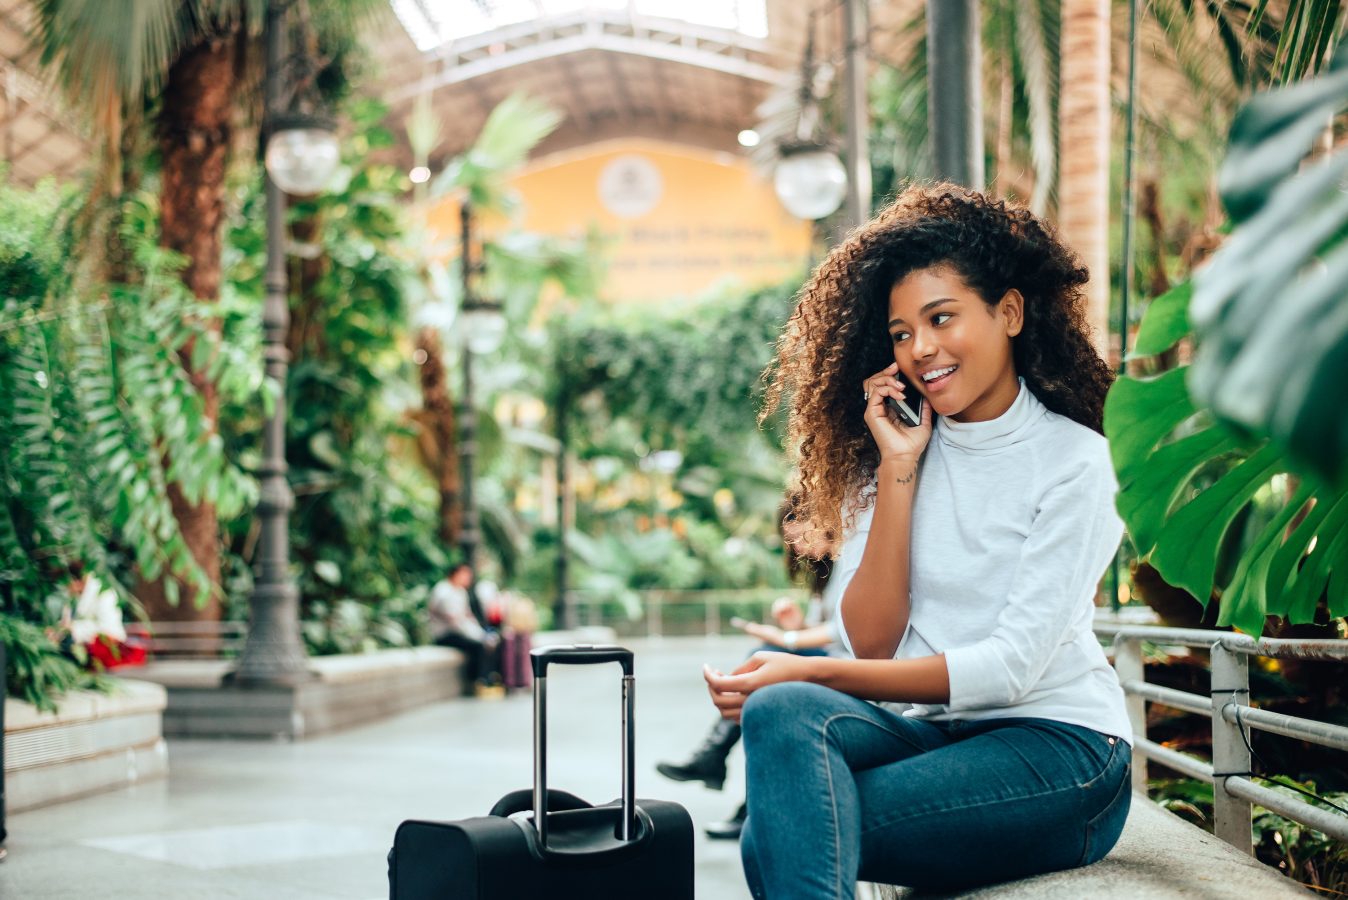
pixel 583 655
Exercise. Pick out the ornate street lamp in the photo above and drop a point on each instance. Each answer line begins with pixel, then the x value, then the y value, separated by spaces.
pixel 809 179
pixel 482 325
pixel 301 156
pixel 302 152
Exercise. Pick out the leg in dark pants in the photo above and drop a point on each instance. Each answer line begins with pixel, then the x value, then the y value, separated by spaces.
pixel 473 653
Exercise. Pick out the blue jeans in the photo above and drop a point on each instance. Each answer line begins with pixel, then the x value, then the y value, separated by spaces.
pixel 841 790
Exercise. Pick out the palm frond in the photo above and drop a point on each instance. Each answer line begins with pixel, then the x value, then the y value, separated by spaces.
pixel 423 129
pixel 1040 85
pixel 514 128
pixel 106 53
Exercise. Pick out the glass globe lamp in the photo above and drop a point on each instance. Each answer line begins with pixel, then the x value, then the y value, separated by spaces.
pixel 484 326
pixel 810 181
pixel 302 154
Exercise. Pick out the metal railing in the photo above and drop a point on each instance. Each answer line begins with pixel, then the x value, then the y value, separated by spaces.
pixel 671 612
pixel 190 640
pixel 1228 706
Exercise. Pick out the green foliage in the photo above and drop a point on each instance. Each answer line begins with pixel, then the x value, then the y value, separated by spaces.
pixel 1165 324
pixel 1302 853
pixel 1188 798
pixel 122 50
pixel 35 668
pixel 1281 376
pixel 1024 37
pixel 1190 488
pixel 99 417
pixel 700 515
pixel 514 128
pixel 362 530
pixel 1308 855
pixel 30 250
pixel 1242 456
pixel 688 380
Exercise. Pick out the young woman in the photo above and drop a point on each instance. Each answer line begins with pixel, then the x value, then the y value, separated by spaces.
pixel 974 597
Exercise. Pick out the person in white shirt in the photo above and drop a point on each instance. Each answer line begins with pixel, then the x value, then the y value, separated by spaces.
pixel 454 624
pixel 811 632
pixel 991 522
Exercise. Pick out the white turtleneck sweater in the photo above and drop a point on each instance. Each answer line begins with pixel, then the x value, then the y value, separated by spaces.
pixel 1013 524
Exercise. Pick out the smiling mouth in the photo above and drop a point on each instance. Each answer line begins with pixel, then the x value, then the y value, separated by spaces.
pixel 938 378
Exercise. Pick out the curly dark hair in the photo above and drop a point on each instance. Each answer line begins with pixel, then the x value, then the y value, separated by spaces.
pixel 809 571
pixel 838 335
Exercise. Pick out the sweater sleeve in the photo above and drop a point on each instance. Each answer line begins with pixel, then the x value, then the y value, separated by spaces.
pixel 1074 534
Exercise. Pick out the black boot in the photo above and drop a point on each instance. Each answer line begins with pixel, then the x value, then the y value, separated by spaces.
pixel 708 762
pixel 729 830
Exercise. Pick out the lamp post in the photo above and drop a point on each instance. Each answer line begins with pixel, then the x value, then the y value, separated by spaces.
pixel 482 325
pixel 955 100
pixel 301 156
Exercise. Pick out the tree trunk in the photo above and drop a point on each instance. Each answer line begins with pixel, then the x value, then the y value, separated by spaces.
pixel 439 447
pixel 1083 154
pixel 194 138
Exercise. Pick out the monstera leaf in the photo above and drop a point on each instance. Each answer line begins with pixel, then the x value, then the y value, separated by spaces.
pixel 1271 308
pixel 1186 480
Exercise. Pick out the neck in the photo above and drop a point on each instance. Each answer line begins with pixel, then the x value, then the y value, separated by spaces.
pixel 994 402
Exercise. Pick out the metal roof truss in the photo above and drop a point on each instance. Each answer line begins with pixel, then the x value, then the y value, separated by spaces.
pixel 666 39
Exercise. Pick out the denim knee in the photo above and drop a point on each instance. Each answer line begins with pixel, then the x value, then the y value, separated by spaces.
pixel 768 709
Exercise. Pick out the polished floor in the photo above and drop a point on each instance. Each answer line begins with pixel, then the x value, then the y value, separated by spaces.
pixel 314 819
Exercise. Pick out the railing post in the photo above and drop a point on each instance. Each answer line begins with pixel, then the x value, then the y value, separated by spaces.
pixel 653 615
pixel 1230 753
pixel 1129 667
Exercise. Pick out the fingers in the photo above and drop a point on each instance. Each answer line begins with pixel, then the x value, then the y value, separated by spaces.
pixel 886 377
pixel 752 664
pixel 728 702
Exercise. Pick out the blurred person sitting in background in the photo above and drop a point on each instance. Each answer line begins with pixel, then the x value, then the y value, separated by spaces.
pixel 455 624
pixel 809 632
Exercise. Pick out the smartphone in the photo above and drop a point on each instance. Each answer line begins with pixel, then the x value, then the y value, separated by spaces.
pixel 908 410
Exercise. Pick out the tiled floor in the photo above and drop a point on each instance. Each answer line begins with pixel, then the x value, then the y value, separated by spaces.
pixel 315 819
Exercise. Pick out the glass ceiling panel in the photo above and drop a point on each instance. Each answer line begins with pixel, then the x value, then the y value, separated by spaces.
pixel 431 23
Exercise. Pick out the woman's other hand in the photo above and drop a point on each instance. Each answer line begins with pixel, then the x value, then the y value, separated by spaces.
pixel 895 439
pixel 728 692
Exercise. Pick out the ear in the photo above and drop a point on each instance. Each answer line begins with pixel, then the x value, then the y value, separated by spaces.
pixel 1012 309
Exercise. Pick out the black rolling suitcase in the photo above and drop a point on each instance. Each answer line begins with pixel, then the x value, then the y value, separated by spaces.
pixel 627 848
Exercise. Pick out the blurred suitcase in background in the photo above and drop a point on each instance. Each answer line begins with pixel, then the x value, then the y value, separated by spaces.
pixel 515 648
pixel 568 849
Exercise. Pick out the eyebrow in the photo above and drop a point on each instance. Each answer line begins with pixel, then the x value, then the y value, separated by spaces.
pixel 924 310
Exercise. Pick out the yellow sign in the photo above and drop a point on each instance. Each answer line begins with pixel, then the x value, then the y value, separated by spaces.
pixel 676 221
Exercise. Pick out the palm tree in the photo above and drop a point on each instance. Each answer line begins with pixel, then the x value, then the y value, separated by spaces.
pixel 478 177
pixel 1083 150
pixel 112 59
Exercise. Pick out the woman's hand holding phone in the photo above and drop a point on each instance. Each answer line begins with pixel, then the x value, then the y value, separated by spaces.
pixel 895 439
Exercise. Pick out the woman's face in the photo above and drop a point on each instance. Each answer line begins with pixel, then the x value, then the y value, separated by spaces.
pixel 952 346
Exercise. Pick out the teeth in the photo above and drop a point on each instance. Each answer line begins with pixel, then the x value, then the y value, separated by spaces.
pixel 937 373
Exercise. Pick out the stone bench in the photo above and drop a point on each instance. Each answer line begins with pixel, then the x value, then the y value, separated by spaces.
pixel 93 742
pixel 343 691
pixel 1159 856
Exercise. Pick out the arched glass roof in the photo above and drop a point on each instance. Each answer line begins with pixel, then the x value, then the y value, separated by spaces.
pixel 434 23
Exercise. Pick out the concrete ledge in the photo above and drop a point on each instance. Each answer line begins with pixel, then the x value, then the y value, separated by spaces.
pixel 1158 856
pixel 345 691
pixel 93 742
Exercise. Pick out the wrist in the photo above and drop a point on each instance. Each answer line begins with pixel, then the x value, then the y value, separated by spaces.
pixel 897 470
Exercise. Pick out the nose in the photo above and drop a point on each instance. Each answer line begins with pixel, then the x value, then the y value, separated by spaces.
pixel 922 345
